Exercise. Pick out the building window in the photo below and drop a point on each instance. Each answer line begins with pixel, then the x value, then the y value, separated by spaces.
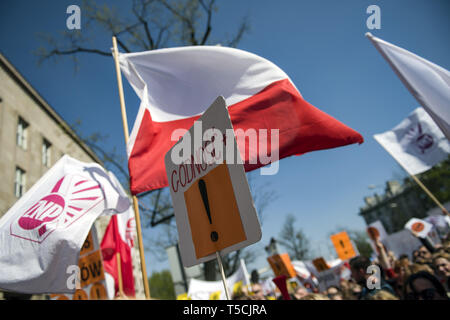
pixel 19 185
pixel 22 133
pixel 46 152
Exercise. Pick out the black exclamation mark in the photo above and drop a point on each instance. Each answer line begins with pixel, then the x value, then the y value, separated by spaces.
pixel 204 193
pixel 343 246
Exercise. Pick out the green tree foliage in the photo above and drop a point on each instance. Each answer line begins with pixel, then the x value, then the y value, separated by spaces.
pixel 361 241
pixel 161 285
pixel 437 180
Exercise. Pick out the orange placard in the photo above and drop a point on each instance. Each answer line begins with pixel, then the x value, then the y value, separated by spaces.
pixel 80 294
pixel 98 292
pixel 343 245
pixel 320 264
pixel 224 227
pixel 281 265
pixel 91 269
pixel 88 245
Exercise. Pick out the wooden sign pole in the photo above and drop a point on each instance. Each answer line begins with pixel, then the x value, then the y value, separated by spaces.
pixel 222 273
pixel 119 273
pixel 428 192
pixel 135 200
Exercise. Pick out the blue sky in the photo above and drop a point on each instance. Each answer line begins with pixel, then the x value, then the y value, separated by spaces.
pixel 319 44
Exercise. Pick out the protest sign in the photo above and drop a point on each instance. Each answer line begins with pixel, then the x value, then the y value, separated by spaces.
pixel 281 265
pixel 320 264
pixel 328 278
pixel 92 285
pixel 301 269
pixel 376 231
pixel 213 205
pixel 418 226
pixel 343 246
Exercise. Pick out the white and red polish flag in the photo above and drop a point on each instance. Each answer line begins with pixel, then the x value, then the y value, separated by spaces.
pixel 119 238
pixel 176 86
pixel 41 235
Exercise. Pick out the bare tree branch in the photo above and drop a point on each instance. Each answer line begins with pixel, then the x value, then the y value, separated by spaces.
pixel 185 19
pixel 208 10
pixel 149 24
pixel 244 28
pixel 78 49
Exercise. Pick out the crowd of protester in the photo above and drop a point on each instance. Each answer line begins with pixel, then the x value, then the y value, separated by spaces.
pixel 426 276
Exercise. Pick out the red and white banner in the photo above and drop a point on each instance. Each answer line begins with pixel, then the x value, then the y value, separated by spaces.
pixel 176 86
pixel 42 234
pixel 119 238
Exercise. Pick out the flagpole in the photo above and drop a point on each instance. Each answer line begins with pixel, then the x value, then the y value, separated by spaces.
pixel 428 192
pixel 135 200
pixel 222 273
pixel 119 273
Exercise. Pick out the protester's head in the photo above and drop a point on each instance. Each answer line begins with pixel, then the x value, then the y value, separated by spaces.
pixel 424 253
pixel 383 295
pixel 241 296
pixel 300 292
pixel 446 242
pixel 358 267
pixel 257 292
pixel 344 284
pixel 404 259
pixel 441 265
pixel 424 286
pixel 356 290
pixel 315 296
pixel 334 293
pixel 401 264
pixel 415 255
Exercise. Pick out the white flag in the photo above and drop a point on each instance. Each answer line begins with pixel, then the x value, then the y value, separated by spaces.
pixel 419 226
pixel 42 234
pixel 416 143
pixel 427 82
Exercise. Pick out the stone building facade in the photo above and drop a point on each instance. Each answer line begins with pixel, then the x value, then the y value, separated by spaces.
pixel 33 137
pixel 394 208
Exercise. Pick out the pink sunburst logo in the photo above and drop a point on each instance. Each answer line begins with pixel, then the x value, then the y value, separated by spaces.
pixel 69 199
